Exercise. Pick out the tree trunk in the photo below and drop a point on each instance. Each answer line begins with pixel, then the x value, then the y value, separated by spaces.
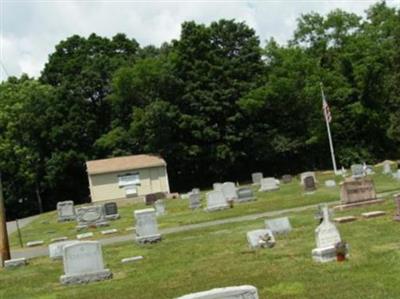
pixel 39 199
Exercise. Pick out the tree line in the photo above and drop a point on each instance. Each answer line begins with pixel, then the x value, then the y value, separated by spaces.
pixel 214 103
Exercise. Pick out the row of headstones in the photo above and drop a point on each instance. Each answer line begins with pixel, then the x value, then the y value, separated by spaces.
pixel 327 236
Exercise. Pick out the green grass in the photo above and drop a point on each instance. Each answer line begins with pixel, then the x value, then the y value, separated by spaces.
pixel 218 256
pixel 290 195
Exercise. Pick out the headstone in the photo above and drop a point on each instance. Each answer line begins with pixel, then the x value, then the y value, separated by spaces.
pixel 330 183
pixel 34 243
pixel 196 190
pixel 386 167
pixel 56 249
pixel 150 199
pixel 217 187
pixel 345 219
pixel 256 178
pixel 109 231
pixel 309 184
pixel 65 210
pixel 245 194
pixel 84 236
pixel 237 292
pixel 326 237
pixel 396 175
pixel 83 263
pixel 343 172
pixel 229 191
pixel 268 184
pixel 159 206
pixel 357 171
pixel 356 191
pixel 91 216
pixel 146 226
pixel 216 201
pixel 307 174
pixel 287 178
pixel 131 259
pixel 397 201
pixel 260 238
pixel 13 263
pixel 373 214
pixel 194 200
pixel 279 225
pixel 111 211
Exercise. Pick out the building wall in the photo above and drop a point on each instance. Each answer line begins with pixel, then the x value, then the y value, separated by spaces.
pixel 105 186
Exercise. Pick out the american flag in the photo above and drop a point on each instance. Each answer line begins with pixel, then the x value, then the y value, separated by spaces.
pixel 325 108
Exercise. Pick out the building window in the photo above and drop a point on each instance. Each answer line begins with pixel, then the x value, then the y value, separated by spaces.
pixel 128 179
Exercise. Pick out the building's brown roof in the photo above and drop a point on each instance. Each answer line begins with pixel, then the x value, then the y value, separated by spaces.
pixel 123 163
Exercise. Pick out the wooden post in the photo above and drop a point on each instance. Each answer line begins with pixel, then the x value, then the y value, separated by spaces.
pixel 4 246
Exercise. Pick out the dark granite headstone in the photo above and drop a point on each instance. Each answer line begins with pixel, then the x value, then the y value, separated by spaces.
pixel 111 210
pixel 309 184
pixel 245 194
pixel 153 197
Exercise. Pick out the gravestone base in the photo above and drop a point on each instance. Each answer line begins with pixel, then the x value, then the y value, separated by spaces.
pixel 214 209
pixel 66 218
pixel 86 277
pixel 13 263
pixel 245 199
pixel 148 239
pixel 112 217
pixel 95 225
pixel 358 204
pixel 269 189
pixel 324 255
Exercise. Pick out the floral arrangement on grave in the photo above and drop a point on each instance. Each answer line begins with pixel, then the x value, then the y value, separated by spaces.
pixel 341 251
pixel 266 241
pixel 230 202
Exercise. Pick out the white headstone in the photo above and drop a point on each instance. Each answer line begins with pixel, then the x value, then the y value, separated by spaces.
pixel 357 170
pixel 330 183
pixel 90 216
pixel 268 184
pixel 386 167
pixel 83 262
pixel 56 249
pixel 146 226
pixel 256 178
pixel 65 210
pixel 279 225
pixel 217 187
pixel 216 201
pixel 159 205
pixel 229 191
pixel 260 238
pixel 237 292
pixel 307 174
pixel 194 200
pixel 326 237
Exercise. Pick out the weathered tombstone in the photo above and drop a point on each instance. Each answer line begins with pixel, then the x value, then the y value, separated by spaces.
pixel 386 167
pixel 279 225
pixel 307 174
pixel 326 237
pixel 194 200
pixel 268 184
pixel 245 194
pixel 90 216
pixel 237 292
pixel 355 192
pixel 260 238
pixel 14 263
pixel 159 206
pixel 56 249
pixel 330 183
pixel 229 191
pixel 196 190
pixel 83 263
pixel 397 201
pixel 217 187
pixel 216 201
pixel 111 211
pixel 256 178
pixel 357 171
pixel 65 210
pixel 287 178
pixel 146 226
pixel 396 175
pixel 309 184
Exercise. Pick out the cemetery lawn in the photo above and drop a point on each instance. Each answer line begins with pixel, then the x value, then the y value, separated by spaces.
pixel 290 195
pixel 218 256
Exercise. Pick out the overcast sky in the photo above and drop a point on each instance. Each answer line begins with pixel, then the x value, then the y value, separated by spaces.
pixel 30 29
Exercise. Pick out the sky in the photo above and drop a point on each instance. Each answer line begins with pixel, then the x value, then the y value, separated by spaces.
pixel 30 29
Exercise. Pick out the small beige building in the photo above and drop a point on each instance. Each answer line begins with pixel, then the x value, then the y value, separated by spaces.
pixel 123 177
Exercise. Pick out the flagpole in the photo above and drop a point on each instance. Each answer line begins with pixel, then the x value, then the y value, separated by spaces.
pixel 328 128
